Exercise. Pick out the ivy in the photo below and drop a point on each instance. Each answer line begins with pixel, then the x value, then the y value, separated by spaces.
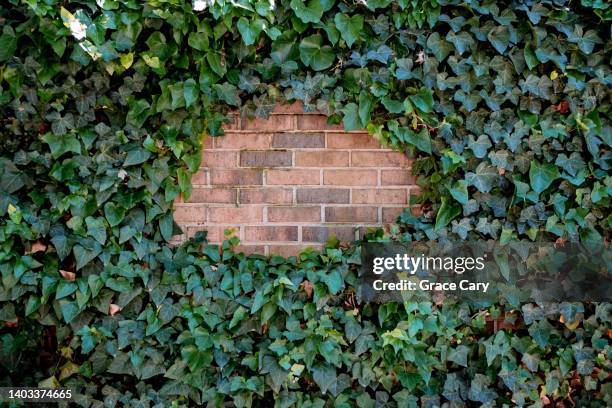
pixel 505 107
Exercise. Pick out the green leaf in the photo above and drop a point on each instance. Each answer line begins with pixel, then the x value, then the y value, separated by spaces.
pixel 541 176
pixel 350 27
pixel 423 100
pixel 530 57
pixel 311 11
pixel 459 191
pixel 459 355
pixel 96 229
pixel 447 212
pixel 499 37
pixel 420 140
pixel 199 41
pixel 8 45
pixel 62 144
pixel 316 55
pixel 351 119
pixel 249 30
pixel 114 213
pixel 84 256
pixel 136 155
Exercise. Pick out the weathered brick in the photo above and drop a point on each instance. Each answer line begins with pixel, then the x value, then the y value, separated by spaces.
pixel 214 234
pixel 315 122
pixel 351 141
pixel 323 195
pixel 213 195
pixel 266 195
pixel 288 108
pixel 243 141
pixel 274 123
pixel 379 159
pixel 390 214
pixel 250 249
pixel 200 177
pixel 237 177
pixel 290 250
pixel 189 214
pixel 351 214
pixel 293 176
pixel 322 234
pixel 350 177
pixel 268 233
pixel 397 178
pixel 266 158
pixel 216 158
pixel 322 159
pixel 298 140
pixel 235 214
pixel 294 214
pixel 380 196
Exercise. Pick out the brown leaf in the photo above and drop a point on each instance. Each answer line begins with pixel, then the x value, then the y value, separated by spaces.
pixel 307 286
pixel 11 323
pixel 69 276
pixel 37 246
pixel 113 309
pixel 562 107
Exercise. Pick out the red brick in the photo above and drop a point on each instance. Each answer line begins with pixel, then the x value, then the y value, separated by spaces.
pixel 200 177
pixel 323 195
pixel 350 177
pixel 315 122
pixel 380 196
pixel 390 214
pixel 239 177
pixel 234 122
pixel 397 178
pixel 213 195
pixel 351 141
pixel 250 249
pixel 298 140
pixel 288 108
pixel 267 233
pixel 266 195
pixel 290 250
pixel 235 214
pixel 351 214
pixel 293 176
pixel 322 234
pixel 294 214
pixel 274 123
pixel 243 141
pixel 379 159
pixel 215 158
pixel 207 142
pixel 187 214
pixel 214 234
pixel 266 158
pixel 322 158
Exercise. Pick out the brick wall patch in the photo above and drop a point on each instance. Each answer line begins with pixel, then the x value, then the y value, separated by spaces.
pixel 293 181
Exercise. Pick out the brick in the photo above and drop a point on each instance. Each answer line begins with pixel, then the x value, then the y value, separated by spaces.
pixel 243 141
pixel 323 195
pixel 298 140
pixel 315 122
pixel 322 234
pixel 239 177
pixel 351 214
pixel 200 177
pixel 294 214
pixel 266 195
pixel 380 196
pixel 213 195
pixel 214 234
pixel 234 122
pixel 235 214
pixel 266 158
pixel 187 214
pixel 351 141
pixel 293 176
pixel 290 250
pixel 251 249
pixel 322 159
pixel 379 159
pixel 207 142
pixel 350 177
pixel 397 178
pixel 216 159
pixel 288 108
pixel 267 233
pixel 274 123
pixel 390 214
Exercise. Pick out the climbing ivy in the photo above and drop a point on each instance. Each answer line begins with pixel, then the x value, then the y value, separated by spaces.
pixel 104 105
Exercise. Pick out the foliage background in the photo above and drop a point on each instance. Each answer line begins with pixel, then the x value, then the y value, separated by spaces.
pixel 103 108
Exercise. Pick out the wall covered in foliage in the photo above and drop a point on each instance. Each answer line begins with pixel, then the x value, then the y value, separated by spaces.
pixel 103 108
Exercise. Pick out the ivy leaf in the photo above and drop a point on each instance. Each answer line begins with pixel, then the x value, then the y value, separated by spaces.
pixel 541 176
pixel 249 30
pixel 448 211
pixel 459 355
pixel 83 255
pixel 96 229
pixel 481 146
pixel 312 11
pixel 420 140
pixel 228 93
pixel 114 213
pixel 530 57
pixel 483 178
pixel 8 44
pixel 351 117
pixel 459 191
pixel 423 100
pixel 136 155
pixel 438 46
pixel 327 380
pixel 499 37
pixel 462 41
pixel 62 144
pixel 350 27
pixel 316 55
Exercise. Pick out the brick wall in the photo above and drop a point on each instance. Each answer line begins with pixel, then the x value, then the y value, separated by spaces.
pixel 291 181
